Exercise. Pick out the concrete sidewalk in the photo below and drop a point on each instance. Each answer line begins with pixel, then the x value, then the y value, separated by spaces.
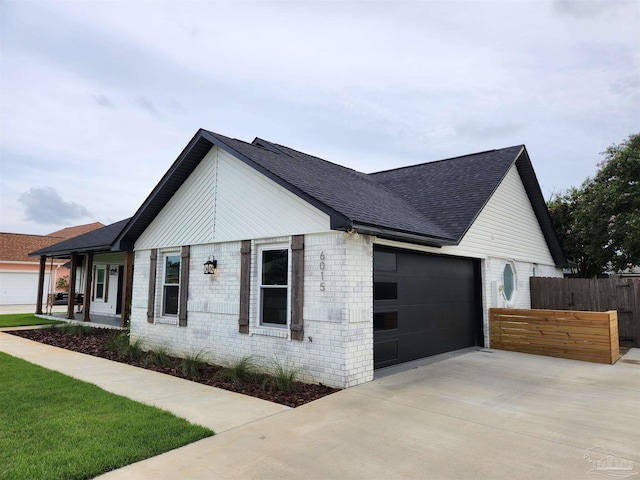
pixel 485 414
pixel 215 408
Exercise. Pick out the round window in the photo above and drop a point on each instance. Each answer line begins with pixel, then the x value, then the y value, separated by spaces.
pixel 509 281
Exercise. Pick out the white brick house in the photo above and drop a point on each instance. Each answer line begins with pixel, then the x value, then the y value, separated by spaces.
pixel 336 271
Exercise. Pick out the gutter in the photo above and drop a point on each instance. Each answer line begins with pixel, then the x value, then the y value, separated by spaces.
pixel 402 236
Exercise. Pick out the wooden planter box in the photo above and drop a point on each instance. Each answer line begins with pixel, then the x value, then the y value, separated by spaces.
pixel 588 336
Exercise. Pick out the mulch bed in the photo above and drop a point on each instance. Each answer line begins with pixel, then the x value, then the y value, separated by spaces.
pixel 94 341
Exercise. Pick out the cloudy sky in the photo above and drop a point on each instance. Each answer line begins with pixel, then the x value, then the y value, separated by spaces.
pixel 98 98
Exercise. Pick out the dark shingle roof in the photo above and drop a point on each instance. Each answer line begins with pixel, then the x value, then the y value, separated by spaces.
pixel 432 203
pixel 451 192
pixel 100 239
pixel 353 194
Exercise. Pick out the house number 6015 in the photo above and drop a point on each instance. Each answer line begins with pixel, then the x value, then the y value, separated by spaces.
pixel 322 288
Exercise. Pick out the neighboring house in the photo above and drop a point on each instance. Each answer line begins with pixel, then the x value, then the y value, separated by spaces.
pixel 258 249
pixel 19 272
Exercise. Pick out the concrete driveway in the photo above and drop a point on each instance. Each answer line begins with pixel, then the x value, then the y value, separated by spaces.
pixel 485 414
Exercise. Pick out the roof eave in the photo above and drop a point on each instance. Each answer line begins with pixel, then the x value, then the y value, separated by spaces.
pixel 403 236
pixel 532 187
pixel 67 252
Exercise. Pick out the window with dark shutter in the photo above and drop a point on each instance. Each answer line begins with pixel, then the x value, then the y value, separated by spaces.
pixel 273 285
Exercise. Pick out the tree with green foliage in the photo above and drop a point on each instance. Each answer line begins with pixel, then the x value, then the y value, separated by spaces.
pixel 599 223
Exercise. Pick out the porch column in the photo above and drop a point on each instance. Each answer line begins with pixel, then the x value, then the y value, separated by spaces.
pixel 72 286
pixel 127 289
pixel 87 286
pixel 43 264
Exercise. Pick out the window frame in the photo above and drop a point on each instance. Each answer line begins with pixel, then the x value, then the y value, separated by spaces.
pixel 163 283
pixel 260 286
pixel 99 294
pixel 511 265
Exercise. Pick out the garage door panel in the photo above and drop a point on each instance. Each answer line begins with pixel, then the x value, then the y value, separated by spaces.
pixel 426 291
pixel 442 267
pixel 19 288
pixel 413 346
pixel 415 319
pixel 435 307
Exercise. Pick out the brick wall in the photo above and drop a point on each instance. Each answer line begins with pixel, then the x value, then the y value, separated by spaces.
pixel 338 302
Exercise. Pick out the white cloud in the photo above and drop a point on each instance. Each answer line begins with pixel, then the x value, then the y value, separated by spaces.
pixel 102 96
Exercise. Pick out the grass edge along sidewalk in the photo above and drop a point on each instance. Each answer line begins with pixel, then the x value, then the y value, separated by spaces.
pixel 24 319
pixel 57 427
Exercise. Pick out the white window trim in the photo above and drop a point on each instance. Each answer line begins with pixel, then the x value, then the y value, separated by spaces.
pixel 161 317
pixel 103 283
pixel 258 316
pixel 510 301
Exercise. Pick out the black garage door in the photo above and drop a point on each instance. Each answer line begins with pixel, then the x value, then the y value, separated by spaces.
pixel 423 305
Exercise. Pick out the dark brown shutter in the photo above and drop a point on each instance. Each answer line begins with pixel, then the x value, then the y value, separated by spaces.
pixel 151 301
pixel 95 277
pixel 105 294
pixel 297 287
pixel 245 285
pixel 184 286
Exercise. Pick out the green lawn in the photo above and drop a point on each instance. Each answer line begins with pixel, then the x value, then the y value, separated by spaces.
pixel 24 319
pixel 57 427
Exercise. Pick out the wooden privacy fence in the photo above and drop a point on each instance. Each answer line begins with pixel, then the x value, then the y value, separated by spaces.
pixel 593 294
pixel 588 336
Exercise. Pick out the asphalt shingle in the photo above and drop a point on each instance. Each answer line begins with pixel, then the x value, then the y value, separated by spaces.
pixel 451 192
pixel 99 239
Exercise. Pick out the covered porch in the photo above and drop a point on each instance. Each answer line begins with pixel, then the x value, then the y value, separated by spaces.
pixel 100 278
pixel 97 320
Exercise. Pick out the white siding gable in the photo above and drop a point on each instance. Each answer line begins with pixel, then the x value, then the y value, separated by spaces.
pixel 507 226
pixel 226 200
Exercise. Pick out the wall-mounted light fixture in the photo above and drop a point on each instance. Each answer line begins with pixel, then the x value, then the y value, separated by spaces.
pixel 113 271
pixel 210 266
pixel 351 233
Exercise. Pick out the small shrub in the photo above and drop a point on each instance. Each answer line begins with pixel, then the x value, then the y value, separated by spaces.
pixel 191 365
pixel 135 351
pixel 283 375
pixel 242 371
pixel 119 344
pixel 124 347
pixel 158 357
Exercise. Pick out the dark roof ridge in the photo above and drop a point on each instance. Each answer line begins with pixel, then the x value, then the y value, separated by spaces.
pixel 364 176
pixel 266 144
pixel 320 158
pixel 447 159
